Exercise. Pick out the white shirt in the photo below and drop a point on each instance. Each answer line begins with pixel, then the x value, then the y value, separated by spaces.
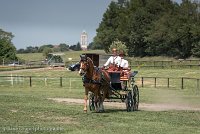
pixel 113 60
pixel 124 63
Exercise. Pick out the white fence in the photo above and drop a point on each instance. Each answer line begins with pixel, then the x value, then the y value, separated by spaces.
pixel 16 80
pixel 76 83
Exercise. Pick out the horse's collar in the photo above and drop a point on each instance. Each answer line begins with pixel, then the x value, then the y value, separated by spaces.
pixel 88 80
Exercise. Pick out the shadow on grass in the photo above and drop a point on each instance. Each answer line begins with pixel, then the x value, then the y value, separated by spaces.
pixel 115 111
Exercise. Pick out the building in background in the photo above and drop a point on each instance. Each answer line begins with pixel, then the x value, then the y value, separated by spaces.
pixel 84 40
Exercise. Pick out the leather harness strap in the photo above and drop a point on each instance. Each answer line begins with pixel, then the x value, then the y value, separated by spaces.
pixel 88 80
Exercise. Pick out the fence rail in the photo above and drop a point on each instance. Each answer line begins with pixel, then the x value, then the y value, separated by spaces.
pixel 168 80
pixel 152 82
pixel 181 63
pixel 30 81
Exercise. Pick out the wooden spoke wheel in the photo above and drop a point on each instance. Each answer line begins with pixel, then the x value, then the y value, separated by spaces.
pixel 136 97
pixel 132 99
pixel 129 102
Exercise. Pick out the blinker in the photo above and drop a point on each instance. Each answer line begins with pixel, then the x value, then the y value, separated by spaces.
pixel 83 57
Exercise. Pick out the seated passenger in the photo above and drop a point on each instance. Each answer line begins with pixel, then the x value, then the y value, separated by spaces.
pixel 113 62
pixel 124 66
pixel 123 63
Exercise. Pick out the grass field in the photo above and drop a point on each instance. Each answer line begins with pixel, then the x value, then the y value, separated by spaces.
pixel 69 54
pixel 25 109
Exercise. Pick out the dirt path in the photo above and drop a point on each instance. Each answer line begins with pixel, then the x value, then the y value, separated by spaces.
pixel 142 106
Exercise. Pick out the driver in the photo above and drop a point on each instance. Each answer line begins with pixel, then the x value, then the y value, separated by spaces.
pixel 114 61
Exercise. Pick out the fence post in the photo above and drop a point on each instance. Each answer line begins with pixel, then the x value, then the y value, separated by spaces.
pixel 168 82
pixel 142 82
pixel 11 79
pixel 30 81
pixel 182 83
pixel 70 84
pixel 155 83
pixel 197 86
pixel 45 81
pixel 60 81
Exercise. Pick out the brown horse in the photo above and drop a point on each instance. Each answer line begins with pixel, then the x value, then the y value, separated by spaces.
pixel 96 81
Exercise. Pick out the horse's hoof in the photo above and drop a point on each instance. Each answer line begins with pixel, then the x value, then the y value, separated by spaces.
pixel 101 111
pixel 85 111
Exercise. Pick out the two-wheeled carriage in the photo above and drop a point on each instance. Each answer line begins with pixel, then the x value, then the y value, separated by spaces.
pixel 121 86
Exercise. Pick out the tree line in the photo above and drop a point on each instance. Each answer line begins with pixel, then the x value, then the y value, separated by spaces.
pixel 62 47
pixel 152 27
pixel 8 51
pixel 46 49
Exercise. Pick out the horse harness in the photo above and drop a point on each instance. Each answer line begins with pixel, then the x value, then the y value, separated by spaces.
pixel 93 81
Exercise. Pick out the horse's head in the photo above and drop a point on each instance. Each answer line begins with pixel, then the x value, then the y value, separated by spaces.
pixel 85 64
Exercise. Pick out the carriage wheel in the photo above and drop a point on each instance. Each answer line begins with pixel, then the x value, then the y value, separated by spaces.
pixel 136 97
pixel 129 102
pixel 91 102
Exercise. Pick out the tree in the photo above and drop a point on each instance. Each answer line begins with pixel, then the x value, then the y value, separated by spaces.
pixel 106 32
pixel 64 47
pixel 78 47
pixel 21 51
pixel 119 45
pixel 196 49
pixel 72 47
pixel 46 51
pixel 7 49
pixel 94 46
pixel 44 46
pixel 152 27
pixel 31 49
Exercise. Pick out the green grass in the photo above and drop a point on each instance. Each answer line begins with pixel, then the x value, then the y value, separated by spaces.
pixel 31 56
pixel 68 54
pixel 30 109
pixel 25 109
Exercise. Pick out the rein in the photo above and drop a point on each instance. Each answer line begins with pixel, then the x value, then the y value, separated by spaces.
pixel 89 78
pixel 92 81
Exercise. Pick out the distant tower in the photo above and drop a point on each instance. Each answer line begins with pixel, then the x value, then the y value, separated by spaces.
pixel 84 40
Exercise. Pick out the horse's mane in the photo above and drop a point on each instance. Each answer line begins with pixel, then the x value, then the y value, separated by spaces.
pixel 90 62
pixel 92 69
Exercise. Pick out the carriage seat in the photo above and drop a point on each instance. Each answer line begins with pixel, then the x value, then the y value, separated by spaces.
pixel 125 74
pixel 115 79
pixel 133 73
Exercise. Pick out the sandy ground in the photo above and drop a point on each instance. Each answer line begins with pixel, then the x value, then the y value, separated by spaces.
pixel 142 106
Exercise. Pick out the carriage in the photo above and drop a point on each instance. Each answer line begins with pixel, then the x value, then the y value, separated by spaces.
pixel 122 85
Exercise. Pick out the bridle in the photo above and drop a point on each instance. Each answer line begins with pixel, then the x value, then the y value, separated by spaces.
pixel 84 65
pixel 85 71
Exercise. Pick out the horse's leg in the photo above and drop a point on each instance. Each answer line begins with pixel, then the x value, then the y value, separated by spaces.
pixel 85 100
pixel 96 101
pixel 101 108
pixel 101 99
pixel 105 95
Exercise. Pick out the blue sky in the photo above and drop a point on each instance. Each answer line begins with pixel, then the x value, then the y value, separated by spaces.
pixel 40 22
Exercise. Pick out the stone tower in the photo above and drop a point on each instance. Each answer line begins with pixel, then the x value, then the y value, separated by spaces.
pixel 84 40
